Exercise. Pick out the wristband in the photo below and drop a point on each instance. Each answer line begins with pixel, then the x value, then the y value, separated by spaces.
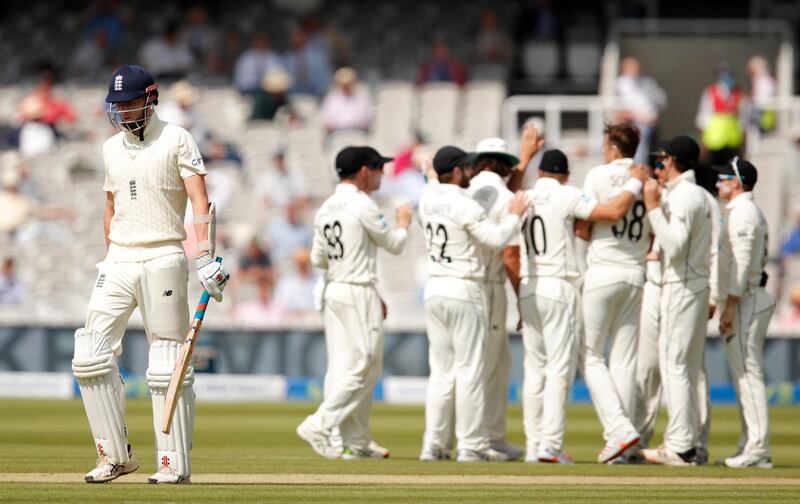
pixel 202 261
pixel 633 185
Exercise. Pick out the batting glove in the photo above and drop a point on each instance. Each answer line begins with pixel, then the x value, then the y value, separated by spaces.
pixel 212 276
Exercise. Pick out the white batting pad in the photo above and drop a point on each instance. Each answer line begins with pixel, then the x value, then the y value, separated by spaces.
pixel 173 448
pixel 95 368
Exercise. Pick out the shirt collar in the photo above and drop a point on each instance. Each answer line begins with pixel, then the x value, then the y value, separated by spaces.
pixel 687 176
pixel 546 182
pixel 626 161
pixel 344 187
pixel 450 188
pixel 738 200
pixel 151 129
pixel 490 176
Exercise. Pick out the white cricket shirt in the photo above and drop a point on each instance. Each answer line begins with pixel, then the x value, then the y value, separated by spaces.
pixel 627 241
pixel 146 178
pixel 547 237
pixel 749 240
pixel 491 193
pixel 348 229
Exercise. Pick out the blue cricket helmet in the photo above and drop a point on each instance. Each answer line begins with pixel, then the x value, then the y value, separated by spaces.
pixel 130 82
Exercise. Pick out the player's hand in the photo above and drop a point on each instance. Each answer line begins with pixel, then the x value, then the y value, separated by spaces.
pixel 530 143
pixel 518 205
pixel 384 309
pixel 712 309
pixel 403 215
pixel 428 170
pixel 726 321
pixel 652 194
pixel 212 276
pixel 641 172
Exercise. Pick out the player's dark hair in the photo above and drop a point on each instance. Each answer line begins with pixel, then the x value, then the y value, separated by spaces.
pixel 492 164
pixel 624 136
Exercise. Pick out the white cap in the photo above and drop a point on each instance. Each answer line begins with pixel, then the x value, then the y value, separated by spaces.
pixel 495 147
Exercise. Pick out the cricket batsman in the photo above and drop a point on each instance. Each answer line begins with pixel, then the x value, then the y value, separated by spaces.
pixel 151 168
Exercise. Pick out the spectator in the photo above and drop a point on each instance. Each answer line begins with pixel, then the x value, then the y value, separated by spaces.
pixel 278 186
pixel 11 291
pixel 256 62
pixel 642 99
pixel 288 233
pixel 201 36
pixel 166 56
pixel 35 137
pixel 718 117
pixel 222 59
pixel 294 292
pixel 791 246
pixel 406 180
pixel 762 88
pixel 347 105
pixel 92 57
pixel 179 109
pixel 442 67
pixel 308 65
pixel 261 312
pixel 57 112
pixel 492 44
pixel 272 95
pixel 255 265
pixel 539 22
pixel 106 16
pixel 17 208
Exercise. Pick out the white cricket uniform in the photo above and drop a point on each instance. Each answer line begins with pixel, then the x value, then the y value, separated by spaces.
pixel 348 230
pixel 682 225
pixel 456 226
pixel 145 267
pixel 549 301
pixel 747 232
pixel 490 191
pixel 612 299
pixel 648 376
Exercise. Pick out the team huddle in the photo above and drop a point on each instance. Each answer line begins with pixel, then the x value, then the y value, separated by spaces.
pixel 636 262
pixel 660 260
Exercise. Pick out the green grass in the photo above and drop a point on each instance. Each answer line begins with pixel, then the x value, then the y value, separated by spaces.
pixel 44 436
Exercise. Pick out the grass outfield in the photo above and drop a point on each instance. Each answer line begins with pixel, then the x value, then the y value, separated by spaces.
pixel 234 440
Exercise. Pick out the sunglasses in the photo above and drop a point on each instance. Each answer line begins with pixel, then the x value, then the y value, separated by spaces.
pixel 726 177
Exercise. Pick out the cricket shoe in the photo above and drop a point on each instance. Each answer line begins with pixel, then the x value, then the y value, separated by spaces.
pixel 106 471
pixel 489 455
pixel 513 452
pixel 320 441
pixel 353 453
pixel 532 454
pixel 168 476
pixel 745 460
pixel 631 456
pixel 701 457
pixel 548 455
pixel 617 445
pixel 431 453
pixel 378 448
pixel 664 456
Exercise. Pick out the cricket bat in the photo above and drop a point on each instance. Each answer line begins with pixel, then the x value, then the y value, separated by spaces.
pixel 184 360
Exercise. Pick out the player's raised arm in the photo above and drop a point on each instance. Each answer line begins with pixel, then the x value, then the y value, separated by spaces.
pixel 391 240
pixel 615 209
pixel 490 234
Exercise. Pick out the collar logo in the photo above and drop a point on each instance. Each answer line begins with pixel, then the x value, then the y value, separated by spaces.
pixel 118 83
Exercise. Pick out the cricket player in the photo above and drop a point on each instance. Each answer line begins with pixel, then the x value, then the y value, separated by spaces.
pixel 456 315
pixel 348 229
pixel 681 219
pixel 151 167
pixel 648 376
pixel 493 165
pixel 549 296
pixel 612 295
pixel 743 322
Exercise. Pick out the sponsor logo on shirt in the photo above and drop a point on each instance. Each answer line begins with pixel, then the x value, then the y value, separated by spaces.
pixel 197 161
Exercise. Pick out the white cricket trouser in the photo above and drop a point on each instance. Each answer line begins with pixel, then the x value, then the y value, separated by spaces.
pixel 354 342
pixel 497 362
pixel 744 350
pixel 551 336
pixel 684 322
pixel 158 287
pixel 612 300
pixel 648 377
pixel 457 334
